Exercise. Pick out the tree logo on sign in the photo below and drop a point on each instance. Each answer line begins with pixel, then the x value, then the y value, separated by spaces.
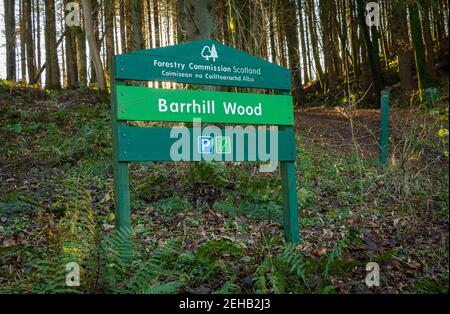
pixel 209 52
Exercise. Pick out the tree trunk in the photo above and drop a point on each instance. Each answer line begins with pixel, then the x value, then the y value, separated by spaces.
pixel 122 24
pixel 10 32
pixel 290 21
pixel 93 44
pixel 328 46
pixel 81 56
pixel 314 39
pixel 95 30
pixel 426 27
pixel 419 49
pixel 52 76
pixel 71 55
pixel 197 19
pixel 372 56
pixel 354 39
pixel 272 34
pixel 149 24
pixel 38 37
pixel 136 24
pixel 307 49
pixel 23 57
pixel 402 45
pixel 281 34
pixel 302 41
pixel 156 23
pixel 109 32
pixel 31 66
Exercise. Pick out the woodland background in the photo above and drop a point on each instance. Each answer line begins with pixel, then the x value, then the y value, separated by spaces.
pixel 327 44
pixel 217 228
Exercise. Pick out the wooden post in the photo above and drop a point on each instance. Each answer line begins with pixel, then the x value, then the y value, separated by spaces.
pixel 121 175
pixel 290 209
pixel 384 126
pixel 289 192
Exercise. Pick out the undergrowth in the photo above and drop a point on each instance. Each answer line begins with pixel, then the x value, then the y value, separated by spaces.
pixel 212 227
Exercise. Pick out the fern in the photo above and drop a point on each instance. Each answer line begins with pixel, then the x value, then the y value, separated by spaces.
pixel 351 236
pixel 335 253
pixel 125 273
pixel 260 279
pixel 159 288
pixel 228 288
pixel 295 260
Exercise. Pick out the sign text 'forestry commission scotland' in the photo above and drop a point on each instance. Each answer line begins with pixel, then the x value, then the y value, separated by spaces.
pixel 202 62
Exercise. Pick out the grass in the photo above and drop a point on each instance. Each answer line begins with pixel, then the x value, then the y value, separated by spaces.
pixel 213 228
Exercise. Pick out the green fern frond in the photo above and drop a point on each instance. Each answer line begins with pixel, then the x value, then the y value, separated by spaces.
pixel 166 288
pixel 227 288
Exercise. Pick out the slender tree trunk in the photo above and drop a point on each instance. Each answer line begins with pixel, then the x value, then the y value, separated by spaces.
pixel 31 66
pixel 71 55
pixel 52 76
pixel 10 32
pixel 38 36
pixel 272 34
pixel 302 41
pixel 401 45
pixel 307 49
pixel 419 49
pixel 109 32
pixel 81 56
pixel 156 23
pixel 428 39
pixel 281 34
pixel 93 44
pixel 372 55
pixel 128 26
pixel 123 38
pixel 23 57
pixel 290 21
pixel 314 40
pixel 149 24
pixel 136 24
pixel 325 16
pixel 63 59
pixel 354 39
pixel 95 30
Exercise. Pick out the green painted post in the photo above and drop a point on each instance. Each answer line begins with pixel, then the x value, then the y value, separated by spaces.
pixel 289 192
pixel 121 175
pixel 384 126
pixel 290 209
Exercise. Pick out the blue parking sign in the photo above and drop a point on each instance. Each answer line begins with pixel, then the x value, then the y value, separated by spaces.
pixel 205 145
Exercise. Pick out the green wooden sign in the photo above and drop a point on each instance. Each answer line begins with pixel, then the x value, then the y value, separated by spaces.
pixel 142 103
pixel 204 62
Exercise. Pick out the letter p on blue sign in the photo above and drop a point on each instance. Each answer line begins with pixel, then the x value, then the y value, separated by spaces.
pixel 205 144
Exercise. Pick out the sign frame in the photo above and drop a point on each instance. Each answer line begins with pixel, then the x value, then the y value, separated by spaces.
pixel 134 66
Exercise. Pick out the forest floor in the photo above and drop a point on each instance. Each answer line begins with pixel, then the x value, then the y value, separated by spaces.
pixel 217 227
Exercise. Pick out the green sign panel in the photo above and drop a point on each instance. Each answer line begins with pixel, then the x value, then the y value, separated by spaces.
pixel 187 144
pixel 246 138
pixel 142 103
pixel 205 62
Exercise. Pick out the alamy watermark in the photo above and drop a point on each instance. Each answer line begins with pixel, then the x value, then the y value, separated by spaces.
pixel 372 14
pixel 373 275
pixel 73 275
pixel 73 16
pixel 232 143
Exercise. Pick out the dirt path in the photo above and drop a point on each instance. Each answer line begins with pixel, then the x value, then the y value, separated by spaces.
pixel 329 127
